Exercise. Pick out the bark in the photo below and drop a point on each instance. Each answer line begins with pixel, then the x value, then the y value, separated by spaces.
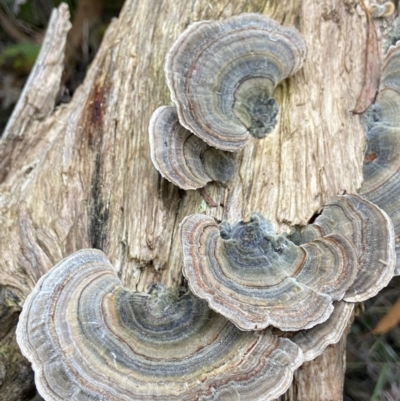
pixel 80 175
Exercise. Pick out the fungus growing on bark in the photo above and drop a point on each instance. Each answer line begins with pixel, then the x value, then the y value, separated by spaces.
pixel 256 278
pixel 369 229
pixel 89 338
pixel 222 75
pixel 382 157
pixel 382 10
pixel 314 341
pixel 183 158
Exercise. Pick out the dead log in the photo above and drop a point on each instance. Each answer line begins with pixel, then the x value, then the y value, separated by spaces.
pixel 80 175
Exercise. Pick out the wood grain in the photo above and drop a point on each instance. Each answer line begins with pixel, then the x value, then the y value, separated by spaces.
pixel 80 175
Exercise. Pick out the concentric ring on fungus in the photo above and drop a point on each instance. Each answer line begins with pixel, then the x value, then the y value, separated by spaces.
pixel 256 278
pixel 222 75
pixel 183 158
pixel 381 168
pixel 314 341
pixel 89 338
pixel 369 229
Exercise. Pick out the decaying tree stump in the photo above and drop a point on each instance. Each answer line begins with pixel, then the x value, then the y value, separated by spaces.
pixel 80 175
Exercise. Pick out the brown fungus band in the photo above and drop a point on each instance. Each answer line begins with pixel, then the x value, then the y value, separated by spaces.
pixel 256 278
pixel 222 75
pixel 381 168
pixel 369 229
pixel 183 158
pixel 89 338
pixel 314 341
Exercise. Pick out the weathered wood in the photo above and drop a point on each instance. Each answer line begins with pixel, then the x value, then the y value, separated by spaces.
pixel 328 369
pixel 39 95
pixel 81 175
pixel 16 376
pixel 19 137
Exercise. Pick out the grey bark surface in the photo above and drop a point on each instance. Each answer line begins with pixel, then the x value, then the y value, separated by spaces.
pixel 79 175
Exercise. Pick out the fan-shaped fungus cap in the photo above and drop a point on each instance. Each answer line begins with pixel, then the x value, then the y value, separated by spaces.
pixel 88 338
pixel 314 341
pixel 183 158
pixel 371 232
pixel 382 10
pixel 391 69
pixel 382 158
pixel 256 278
pixel 222 74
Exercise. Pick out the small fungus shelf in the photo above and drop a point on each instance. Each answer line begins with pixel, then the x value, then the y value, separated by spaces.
pixel 183 158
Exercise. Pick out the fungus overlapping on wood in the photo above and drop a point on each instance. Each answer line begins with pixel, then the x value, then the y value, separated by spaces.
pixel 183 158
pixel 90 338
pixel 222 74
pixel 256 278
pixel 381 168
pixel 382 10
pixel 371 232
pixel 314 341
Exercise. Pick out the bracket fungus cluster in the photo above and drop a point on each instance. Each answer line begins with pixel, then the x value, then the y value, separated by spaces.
pixel 221 75
pixel 256 278
pixel 89 338
pixel 260 304
pixel 382 158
